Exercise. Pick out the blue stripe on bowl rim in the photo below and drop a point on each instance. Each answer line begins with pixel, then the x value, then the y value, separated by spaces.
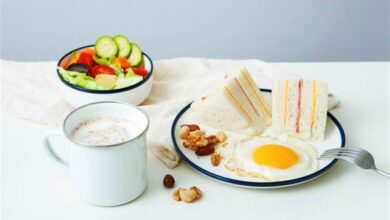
pixel 254 184
pixel 149 76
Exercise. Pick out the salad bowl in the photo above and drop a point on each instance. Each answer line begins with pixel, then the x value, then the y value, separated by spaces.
pixel 78 96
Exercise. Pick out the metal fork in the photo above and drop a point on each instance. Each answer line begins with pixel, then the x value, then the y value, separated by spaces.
pixel 357 156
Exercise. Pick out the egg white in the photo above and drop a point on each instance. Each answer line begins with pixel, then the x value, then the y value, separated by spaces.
pixel 238 157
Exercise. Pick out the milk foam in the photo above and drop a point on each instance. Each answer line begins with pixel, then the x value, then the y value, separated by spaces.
pixel 105 131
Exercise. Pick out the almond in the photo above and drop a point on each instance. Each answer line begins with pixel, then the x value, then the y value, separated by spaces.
pixel 202 151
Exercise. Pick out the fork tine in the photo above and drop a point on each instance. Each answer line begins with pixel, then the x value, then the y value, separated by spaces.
pixel 349 159
pixel 344 150
pixel 350 154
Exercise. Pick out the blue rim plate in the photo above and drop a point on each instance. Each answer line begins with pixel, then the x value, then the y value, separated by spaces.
pixel 238 181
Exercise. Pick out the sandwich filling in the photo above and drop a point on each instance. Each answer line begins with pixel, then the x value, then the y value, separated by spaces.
pixel 237 103
pixel 299 112
pixel 314 105
pixel 254 90
pixel 246 95
pixel 285 101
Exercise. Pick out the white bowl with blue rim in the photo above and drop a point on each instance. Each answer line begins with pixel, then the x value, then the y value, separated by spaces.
pixel 134 94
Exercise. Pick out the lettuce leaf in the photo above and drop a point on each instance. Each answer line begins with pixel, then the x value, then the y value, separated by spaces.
pixel 80 79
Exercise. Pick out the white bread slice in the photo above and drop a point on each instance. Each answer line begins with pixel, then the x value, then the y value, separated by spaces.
pixel 234 106
pixel 292 106
pixel 304 129
pixel 284 105
pixel 319 125
pixel 277 106
pixel 215 108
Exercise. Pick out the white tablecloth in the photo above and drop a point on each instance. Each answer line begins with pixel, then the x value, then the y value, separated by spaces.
pixel 34 187
pixel 31 91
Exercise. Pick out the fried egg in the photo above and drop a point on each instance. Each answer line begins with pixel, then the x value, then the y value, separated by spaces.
pixel 268 158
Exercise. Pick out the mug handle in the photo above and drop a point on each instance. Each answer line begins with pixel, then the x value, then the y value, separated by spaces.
pixel 49 147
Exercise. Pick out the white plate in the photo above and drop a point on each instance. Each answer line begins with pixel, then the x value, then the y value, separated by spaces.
pixel 334 137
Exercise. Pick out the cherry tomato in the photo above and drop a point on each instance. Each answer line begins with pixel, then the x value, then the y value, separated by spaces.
pixel 100 69
pixel 142 64
pixel 140 71
pixel 89 51
pixel 86 58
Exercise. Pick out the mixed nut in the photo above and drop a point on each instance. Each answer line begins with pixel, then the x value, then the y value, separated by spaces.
pixel 194 138
pixel 187 195
pixel 215 159
pixel 168 181
pixel 181 194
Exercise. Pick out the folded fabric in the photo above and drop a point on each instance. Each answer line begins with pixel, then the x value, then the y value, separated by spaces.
pixel 34 94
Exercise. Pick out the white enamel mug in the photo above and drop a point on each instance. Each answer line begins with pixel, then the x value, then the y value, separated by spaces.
pixel 107 175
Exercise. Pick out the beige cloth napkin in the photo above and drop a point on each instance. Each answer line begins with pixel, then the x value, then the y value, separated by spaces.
pixel 30 90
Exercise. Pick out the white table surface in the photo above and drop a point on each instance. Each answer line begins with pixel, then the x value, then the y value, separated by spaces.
pixel 34 187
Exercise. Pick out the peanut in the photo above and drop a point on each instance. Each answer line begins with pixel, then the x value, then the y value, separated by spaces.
pixel 215 159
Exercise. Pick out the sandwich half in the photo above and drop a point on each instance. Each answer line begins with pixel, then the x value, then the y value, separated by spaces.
pixel 299 108
pixel 237 105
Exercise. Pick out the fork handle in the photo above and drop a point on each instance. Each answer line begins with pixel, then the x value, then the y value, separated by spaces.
pixel 386 174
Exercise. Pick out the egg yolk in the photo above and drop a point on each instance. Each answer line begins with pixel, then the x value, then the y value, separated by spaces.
pixel 275 156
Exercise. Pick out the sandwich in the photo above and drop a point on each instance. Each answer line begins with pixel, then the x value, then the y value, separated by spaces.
pixel 237 106
pixel 299 108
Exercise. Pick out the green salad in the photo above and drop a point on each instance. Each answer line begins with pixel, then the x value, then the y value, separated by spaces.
pixel 113 63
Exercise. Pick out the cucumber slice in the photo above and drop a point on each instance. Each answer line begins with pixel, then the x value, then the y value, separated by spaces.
pixel 102 61
pixel 136 55
pixel 106 47
pixel 124 46
pixel 142 63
